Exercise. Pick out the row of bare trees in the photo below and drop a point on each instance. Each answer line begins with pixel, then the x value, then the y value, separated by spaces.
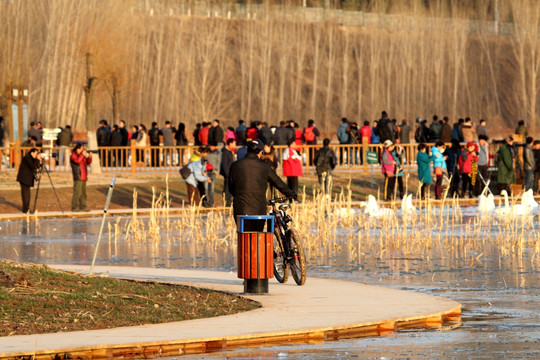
pixel 89 59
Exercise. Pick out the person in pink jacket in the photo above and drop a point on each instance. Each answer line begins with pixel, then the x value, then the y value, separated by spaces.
pixel 292 165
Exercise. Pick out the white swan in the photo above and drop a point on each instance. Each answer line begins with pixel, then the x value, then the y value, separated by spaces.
pixel 486 204
pixel 407 206
pixel 527 199
pixel 373 209
pixel 508 212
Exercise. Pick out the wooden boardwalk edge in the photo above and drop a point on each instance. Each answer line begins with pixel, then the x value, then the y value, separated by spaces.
pixel 450 317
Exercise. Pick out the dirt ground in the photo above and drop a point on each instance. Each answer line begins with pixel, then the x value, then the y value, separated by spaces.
pixel 126 183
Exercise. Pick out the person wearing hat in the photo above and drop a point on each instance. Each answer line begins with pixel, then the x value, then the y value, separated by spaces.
pixel 388 169
pixel 195 182
pixel 248 179
pixel 505 166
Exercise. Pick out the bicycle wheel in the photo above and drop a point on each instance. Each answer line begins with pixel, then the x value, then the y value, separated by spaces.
pixel 280 266
pixel 297 262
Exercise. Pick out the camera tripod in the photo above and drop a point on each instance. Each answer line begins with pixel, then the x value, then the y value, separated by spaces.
pixel 43 166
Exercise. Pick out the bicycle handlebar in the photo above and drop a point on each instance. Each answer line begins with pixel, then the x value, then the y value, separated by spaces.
pixel 279 200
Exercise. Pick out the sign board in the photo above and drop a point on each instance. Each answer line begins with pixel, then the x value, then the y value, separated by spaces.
pixel 15 121
pixel 51 134
pixel 372 157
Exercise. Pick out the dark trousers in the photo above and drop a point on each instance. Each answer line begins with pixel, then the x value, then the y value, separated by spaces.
pixel 154 157
pixel 228 195
pixel 536 188
pixel 78 201
pixel 389 185
pixel 454 185
pixel 292 183
pixel 466 184
pixel 25 196
pixel 400 186
pixel 438 187
pixel 424 191
pixel 192 194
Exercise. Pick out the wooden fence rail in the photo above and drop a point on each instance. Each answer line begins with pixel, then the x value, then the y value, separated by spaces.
pixel 132 159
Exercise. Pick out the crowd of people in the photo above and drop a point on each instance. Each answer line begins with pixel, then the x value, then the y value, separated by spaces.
pixel 463 165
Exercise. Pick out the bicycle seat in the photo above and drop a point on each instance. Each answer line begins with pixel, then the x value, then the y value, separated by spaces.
pixel 284 206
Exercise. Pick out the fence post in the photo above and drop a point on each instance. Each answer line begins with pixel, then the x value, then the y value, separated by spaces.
pixel 17 153
pixel 364 154
pixel 133 157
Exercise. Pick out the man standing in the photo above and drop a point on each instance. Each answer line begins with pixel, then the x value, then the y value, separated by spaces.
pixel 343 137
pixel 310 135
pixel 505 166
pixel 103 135
pixel 241 132
pixel 125 140
pixel 35 132
pixel 154 134
pixel 204 133
pixel 446 131
pixel 80 159
pixel 227 158
pixel 248 179
pixel 325 161
pixel 26 175
pixel 265 134
pixel 529 164
pixel 168 140
pixel 215 133
pixel 435 130
pixel 64 140
pixel 214 158
pixel 483 159
pixel 521 129
pixel 481 128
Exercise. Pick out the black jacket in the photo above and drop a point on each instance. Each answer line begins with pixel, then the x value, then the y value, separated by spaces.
pixel 116 138
pixel 103 136
pixel 27 170
pixel 227 158
pixel 265 135
pixel 215 134
pixel 153 134
pixel 248 179
pixel 283 135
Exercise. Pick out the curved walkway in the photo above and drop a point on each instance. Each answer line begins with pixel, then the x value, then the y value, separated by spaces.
pixel 318 311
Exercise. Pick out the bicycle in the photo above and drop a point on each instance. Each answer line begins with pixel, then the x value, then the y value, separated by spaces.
pixel 288 250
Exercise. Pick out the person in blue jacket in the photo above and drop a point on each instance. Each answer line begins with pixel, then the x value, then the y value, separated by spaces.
pixel 423 159
pixel 439 166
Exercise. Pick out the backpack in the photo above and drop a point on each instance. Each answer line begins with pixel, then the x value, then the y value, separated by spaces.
pixel 321 160
pixel 185 171
pixel 308 134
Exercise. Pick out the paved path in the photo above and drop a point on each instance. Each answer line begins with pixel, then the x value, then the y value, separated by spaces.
pixel 320 310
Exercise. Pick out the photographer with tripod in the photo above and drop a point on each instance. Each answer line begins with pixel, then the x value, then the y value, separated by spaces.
pixel 80 159
pixel 28 172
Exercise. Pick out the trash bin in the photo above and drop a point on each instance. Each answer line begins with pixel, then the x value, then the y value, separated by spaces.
pixel 255 252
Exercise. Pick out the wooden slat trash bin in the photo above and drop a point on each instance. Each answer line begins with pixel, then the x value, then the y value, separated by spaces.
pixel 255 252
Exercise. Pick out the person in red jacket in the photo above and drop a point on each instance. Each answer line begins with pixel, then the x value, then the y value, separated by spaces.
pixel 292 165
pixel 80 159
pixel 203 133
pixel 469 168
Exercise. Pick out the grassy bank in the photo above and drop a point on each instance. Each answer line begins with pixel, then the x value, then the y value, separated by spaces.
pixel 36 299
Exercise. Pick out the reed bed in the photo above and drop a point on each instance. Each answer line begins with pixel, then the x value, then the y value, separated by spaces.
pixel 339 229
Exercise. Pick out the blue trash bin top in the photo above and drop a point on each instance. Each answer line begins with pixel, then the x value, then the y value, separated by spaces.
pixel 269 220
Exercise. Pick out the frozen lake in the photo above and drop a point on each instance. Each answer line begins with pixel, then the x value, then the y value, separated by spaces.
pixel 499 290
